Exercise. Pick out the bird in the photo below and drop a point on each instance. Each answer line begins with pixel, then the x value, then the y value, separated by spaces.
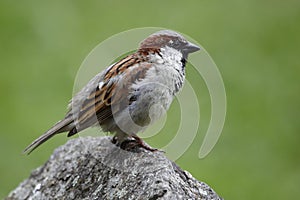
pixel 129 95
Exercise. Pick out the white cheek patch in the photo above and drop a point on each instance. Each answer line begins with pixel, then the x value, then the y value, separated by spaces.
pixel 100 85
pixel 156 59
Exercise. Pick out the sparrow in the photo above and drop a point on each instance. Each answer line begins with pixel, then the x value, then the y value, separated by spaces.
pixel 128 96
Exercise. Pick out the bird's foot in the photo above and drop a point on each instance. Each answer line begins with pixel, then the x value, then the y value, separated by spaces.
pixel 140 143
pixel 133 144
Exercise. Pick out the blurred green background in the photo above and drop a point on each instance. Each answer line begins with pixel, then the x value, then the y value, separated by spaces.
pixel 255 44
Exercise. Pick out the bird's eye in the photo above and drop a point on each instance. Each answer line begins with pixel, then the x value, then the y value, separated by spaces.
pixel 174 43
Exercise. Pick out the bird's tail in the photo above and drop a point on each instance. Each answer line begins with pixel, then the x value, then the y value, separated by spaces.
pixel 61 126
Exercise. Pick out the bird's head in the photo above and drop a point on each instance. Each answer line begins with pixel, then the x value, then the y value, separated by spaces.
pixel 168 38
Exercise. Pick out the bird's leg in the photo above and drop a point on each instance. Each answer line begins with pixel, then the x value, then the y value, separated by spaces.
pixel 142 144
pixel 130 143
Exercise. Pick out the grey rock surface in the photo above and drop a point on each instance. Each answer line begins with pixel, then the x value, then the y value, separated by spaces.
pixel 94 168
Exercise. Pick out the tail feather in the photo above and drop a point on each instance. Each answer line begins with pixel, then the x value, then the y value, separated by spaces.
pixel 61 126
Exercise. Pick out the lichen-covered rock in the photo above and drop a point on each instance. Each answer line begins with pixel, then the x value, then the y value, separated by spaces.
pixel 94 168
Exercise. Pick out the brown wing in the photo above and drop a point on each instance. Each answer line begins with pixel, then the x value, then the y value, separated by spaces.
pixel 114 91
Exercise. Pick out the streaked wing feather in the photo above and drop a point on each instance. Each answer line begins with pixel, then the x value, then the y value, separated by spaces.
pixel 97 106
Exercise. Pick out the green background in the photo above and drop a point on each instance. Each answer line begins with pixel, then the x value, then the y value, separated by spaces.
pixel 255 44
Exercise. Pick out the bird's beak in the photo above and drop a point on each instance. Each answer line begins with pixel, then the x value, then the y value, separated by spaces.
pixel 190 48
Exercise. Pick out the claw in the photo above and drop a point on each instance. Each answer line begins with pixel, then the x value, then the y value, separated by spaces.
pixel 133 143
pixel 114 140
pixel 143 145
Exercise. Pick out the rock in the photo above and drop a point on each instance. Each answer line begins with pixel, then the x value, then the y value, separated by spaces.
pixel 94 168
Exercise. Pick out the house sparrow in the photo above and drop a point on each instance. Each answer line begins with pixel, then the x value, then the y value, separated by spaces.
pixel 131 93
